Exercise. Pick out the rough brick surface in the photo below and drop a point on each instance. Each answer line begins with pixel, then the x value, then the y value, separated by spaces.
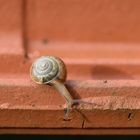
pixel 110 104
pixel 93 38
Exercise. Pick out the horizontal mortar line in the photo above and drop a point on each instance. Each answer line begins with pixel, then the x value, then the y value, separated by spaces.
pixel 24 80
pixel 74 131
pixel 96 45
pixel 102 61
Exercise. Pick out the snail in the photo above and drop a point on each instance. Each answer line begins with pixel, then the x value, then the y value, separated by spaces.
pixel 52 71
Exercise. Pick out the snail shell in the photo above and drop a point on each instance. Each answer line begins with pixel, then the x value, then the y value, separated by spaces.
pixel 46 69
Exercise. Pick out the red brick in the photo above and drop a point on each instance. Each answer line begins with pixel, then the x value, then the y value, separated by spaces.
pixel 22 100
pixel 83 21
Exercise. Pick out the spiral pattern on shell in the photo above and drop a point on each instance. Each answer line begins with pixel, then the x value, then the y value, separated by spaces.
pixel 46 68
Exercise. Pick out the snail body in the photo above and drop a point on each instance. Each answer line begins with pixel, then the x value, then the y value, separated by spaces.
pixel 52 71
